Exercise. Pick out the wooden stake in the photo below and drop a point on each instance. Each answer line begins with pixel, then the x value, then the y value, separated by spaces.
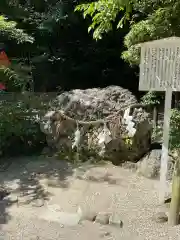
pixel 175 198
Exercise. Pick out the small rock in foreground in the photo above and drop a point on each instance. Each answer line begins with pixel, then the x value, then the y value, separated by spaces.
pixel 115 220
pixel 102 218
pixel 3 193
pixel 89 216
pixel 160 217
pixel 38 203
pixel 105 234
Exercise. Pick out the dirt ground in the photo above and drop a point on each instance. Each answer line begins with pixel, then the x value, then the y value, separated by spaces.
pixel 41 189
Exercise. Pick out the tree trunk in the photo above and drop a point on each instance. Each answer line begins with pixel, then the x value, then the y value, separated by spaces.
pixel 175 198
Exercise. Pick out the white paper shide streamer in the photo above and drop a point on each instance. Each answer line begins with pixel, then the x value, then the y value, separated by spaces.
pixel 104 138
pixel 130 124
pixel 77 138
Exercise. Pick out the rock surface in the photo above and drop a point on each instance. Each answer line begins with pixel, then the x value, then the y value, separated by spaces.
pixel 160 217
pixel 115 220
pixel 149 166
pixel 3 193
pixel 102 218
pixel 92 105
pixel 89 216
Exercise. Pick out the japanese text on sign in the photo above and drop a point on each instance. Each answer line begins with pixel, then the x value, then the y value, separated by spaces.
pixel 160 68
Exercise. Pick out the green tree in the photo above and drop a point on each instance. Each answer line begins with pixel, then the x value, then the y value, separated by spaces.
pixel 53 49
pixel 149 20
pixel 62 49
pixel 104 13
pixel 9 31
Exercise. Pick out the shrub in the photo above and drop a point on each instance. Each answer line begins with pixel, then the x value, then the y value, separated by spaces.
pixel 174 140
pixel 19 128
pixel 175 129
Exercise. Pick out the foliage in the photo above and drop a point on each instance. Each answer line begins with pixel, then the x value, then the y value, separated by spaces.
pixel 62 49
pixel 161 22
pixel 149 20
pixel 9 30
pixel 140 32
pixel 175 129
pixel 151 98
pixel 157 134
pixel 19 125
pixel 174 141
pixel 48 45
pixel 103 14
pixel 17 76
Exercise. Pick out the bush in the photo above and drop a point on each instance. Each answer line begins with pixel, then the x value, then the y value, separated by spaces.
pixel 19 128
pixel 175 129
pixel 152 98
pixel 174 139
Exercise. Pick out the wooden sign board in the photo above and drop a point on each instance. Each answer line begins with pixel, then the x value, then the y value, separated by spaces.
pixel 160 71
pixel 160 65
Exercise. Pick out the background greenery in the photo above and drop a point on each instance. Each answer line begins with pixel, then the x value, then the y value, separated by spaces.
pixel 65 44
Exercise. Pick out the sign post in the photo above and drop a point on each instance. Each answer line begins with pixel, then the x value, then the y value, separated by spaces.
pixel 165 144
pixel 160 71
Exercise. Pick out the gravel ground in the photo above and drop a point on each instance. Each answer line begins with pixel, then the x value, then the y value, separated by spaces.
pixel 62 187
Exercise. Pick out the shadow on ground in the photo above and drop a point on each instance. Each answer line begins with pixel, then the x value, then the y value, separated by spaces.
pixel 23 179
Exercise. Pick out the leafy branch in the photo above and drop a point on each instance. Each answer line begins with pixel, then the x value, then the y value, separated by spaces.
pixel 17 76
pixel 104 13
pixel 9 30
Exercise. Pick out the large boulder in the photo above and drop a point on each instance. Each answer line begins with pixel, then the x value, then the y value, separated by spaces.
pixel 149 165
pixel 88 110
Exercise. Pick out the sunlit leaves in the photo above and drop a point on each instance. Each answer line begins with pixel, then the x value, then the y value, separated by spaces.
pixel 16 76
pixel 160 20
pixel 175 129
pixel 163 21
pixel 103 14
pixel 9 30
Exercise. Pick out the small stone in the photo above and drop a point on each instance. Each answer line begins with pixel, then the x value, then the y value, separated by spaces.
pixel 12 198
pixel 105 234
pixel 3 193
pixel 168 200
pixel 115 220
pixel 38 203
pixel 160 217
pixel 102 218
pixel 112 181
pixel 129 165
pixel 95 175
pixel 24 199
pixel 89 216
pixel 53 182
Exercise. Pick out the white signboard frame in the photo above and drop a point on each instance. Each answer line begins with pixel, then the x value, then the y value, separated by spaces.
pixel 160 71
